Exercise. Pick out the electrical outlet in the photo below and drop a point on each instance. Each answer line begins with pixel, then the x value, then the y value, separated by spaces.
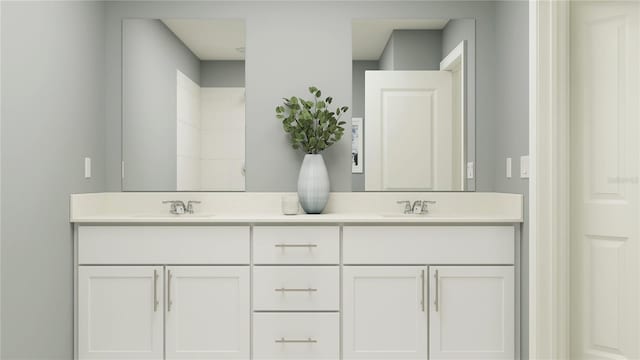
pixel 508 167
pixel 470 170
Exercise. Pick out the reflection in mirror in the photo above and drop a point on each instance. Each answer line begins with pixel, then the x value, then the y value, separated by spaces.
pixel 411 98
pixel 183 105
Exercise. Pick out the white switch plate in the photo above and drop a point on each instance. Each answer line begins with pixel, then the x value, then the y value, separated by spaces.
pixel 524 167
pixel 470 172
pixel 508 167
pixel 87 168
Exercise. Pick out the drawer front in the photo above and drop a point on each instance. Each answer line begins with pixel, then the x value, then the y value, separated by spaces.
pixel 296 288
pixel 296 245
pixel 428 245
pixel 296 336
pixel 163 244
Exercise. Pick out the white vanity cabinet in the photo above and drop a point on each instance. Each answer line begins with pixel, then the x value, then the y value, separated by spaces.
pixel 296 291
pixel 429 292
pixel 190 305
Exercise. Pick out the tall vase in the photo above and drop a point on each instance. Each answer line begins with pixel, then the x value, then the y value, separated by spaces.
pixel 313 184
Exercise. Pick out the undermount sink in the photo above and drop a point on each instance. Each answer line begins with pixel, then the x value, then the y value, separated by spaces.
pixel 172 216
pixel 403 215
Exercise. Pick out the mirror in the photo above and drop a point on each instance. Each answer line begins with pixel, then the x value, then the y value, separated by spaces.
pixel 183 126
pixel 413 104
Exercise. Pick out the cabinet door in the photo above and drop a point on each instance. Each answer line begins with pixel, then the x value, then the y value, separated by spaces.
pixel 120 312
pixel 472 312
pixel 207 312
pixel 384 311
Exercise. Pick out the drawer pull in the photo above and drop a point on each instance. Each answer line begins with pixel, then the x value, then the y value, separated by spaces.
pixel 295 290
pixel 290 341
pixel 282 246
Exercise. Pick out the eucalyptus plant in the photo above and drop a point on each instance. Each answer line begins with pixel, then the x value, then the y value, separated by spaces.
pixel 311 125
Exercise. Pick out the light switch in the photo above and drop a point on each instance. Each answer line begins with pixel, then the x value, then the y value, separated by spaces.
pixel 524 167
pixel 470 170
pixel 508 167
pixel 87 168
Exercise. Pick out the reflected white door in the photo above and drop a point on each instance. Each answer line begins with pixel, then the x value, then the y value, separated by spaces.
pixel 408 130
pixel 120 312
pixel 385 312
pixel 207 312
pixel 471 312
pixel 605 77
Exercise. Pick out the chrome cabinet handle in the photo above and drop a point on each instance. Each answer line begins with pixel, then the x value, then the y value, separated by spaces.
pixel 169 301
pixel 422 288
pixel 436 301
pixel 295 290
pixel 303 341
pixel 296 245
pixel 155 290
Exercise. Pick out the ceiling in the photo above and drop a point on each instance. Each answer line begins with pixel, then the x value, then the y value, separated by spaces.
pixel 210 39
pixel 370 36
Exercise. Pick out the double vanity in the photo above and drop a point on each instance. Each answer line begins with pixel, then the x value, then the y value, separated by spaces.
pixel 237 280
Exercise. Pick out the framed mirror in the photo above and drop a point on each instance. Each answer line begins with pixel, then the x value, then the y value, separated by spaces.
pixel 183 120
pixel 413 104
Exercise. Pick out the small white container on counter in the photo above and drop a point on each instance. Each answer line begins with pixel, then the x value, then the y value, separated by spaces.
pixel 290 205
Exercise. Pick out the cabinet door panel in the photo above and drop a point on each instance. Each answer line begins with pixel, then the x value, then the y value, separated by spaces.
pixel 120 312
pixel 472 312
pixel 207 312
pixel 383 311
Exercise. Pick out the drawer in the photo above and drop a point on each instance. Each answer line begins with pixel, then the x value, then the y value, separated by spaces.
pixel 296 245
pixel 296 288
pixel 163 245
pixel 296 336
pixel 428 245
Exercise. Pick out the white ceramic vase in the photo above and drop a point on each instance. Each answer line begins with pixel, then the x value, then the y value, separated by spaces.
pixel 313 184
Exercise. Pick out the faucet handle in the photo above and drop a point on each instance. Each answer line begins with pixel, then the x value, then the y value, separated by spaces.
pixel 425 206
pixel 407 205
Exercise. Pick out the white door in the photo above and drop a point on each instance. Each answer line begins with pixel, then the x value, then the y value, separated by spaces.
pixel 384 312
pixel 605 78
pixel 207 312
pixel 471 312
pixel 408 130
pixel 120 312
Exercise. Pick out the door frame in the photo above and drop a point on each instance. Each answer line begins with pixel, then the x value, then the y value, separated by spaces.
pixel 549 141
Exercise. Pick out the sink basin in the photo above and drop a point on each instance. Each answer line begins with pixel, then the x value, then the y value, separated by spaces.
pixel 402 215
pixel 174 217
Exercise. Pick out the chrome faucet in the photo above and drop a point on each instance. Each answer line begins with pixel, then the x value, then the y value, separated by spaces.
pixel 407 206
pixel 190 205
pixel 418 206
pixel 177 206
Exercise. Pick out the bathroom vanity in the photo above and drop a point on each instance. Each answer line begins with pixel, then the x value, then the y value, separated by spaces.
pixel 363 281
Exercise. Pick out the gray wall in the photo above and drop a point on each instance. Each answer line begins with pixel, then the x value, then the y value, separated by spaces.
pixel 216 73
pixel 512 119
pixel 417 49
pixel 386 58
pixel 456 31
pixel 52 113
pixel 152 53
pixel 357 106
pixel 273 70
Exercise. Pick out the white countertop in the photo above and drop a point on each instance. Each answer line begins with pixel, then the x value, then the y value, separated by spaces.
pixel 343 208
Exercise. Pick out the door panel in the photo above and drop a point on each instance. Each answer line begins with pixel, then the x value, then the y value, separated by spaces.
pixel 207 312
pixel 120 312
pixel 472 312
pixel 604 198
pixel 408 135
pixel 384 312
